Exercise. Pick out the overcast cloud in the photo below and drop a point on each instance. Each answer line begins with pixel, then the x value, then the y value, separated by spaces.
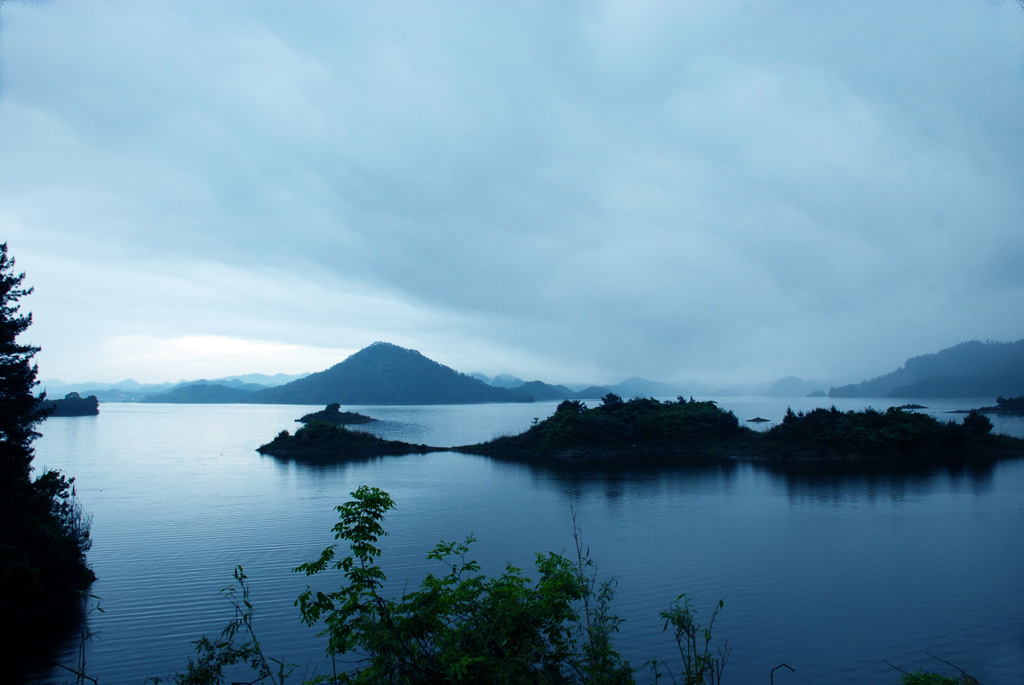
pixel 573 191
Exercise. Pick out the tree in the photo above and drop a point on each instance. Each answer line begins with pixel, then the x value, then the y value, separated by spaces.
pixel 977 423
pixel 44 534
pixel 611 401
pixel 18 406
pixel 571 406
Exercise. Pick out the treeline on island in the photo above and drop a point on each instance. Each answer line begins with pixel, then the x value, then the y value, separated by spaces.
pixel 1006 405
pixel 72 405
pixel 685 430
pixel 332 414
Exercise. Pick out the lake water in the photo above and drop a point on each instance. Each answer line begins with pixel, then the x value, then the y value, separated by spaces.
pixel 829 574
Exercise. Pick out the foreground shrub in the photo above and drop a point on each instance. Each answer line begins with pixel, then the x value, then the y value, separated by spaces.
pixel 461 626
pixel 458 627
pixel 464 627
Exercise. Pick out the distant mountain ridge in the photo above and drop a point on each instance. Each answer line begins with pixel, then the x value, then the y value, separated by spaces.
pixel 541 391
pixel 133 391
pixel 791 386
pixel 384 373
pixel 970 369
pixel 206 392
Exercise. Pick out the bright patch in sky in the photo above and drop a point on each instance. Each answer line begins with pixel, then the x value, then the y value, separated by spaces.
pixel 212 356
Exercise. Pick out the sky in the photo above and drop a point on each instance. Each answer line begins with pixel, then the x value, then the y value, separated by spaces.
pixel 578 192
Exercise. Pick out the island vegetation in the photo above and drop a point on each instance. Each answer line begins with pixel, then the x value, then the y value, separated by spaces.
pixel 687 431
pixel 895 435
pixel 1006 405
pixel 633 429
pixel 332 414
pixel 321 441
pixel 73 404
pixel 44 534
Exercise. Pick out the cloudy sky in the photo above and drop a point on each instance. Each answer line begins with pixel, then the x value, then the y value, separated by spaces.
pixel 724 191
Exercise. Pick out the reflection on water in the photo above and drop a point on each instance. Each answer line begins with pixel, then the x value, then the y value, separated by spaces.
pixel 829 572
pixel 823 484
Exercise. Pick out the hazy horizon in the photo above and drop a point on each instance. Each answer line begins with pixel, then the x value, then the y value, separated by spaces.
pixel 578 193
pixel 696 387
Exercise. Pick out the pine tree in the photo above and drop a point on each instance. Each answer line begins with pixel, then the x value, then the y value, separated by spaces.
pixel 44 534
pixel 18 413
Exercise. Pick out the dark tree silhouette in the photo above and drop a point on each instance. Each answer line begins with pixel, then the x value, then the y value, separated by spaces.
pixel 18 406
pixel 44 534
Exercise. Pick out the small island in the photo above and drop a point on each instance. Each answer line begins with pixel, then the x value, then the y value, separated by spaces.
pixel 72 405
pixel 634 429
pixel 332 414
pixel 1004 405
pixel 689 431
pixel 320 441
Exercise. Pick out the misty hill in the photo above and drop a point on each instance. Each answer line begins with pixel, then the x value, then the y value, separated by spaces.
pixel 132 391
pixel 123 391
pixel 970 369
pixel 502 380
pixel 262 379
pixel 541 391
pixel 791 386
pixel 387 374
pixel 205 392
pixel 631 387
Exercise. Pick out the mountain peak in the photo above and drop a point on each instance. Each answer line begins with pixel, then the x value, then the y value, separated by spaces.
pixel 385 373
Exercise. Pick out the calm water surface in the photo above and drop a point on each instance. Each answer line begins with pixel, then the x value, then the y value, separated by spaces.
pixel 831 575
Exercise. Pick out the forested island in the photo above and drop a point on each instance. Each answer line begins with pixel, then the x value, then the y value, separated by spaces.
pixel 332 414
pixel 321 441
pixel 73 404
pixel 1006 405
pixel 686 431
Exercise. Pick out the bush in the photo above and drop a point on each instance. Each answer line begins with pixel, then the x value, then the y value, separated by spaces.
pixel 458 627
pixel 461 626
pixel 977 423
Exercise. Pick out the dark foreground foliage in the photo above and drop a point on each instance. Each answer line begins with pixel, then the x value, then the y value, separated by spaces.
pixel 462 626
pixel 459 626
pixel 44 534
